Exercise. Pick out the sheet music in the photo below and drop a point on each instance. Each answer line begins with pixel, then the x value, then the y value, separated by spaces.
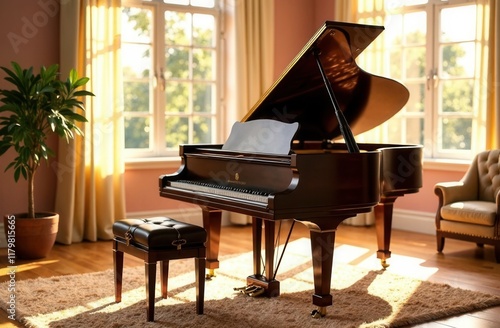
pixel 261 136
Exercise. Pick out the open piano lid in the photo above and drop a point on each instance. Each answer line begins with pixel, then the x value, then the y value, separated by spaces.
pixel 300 94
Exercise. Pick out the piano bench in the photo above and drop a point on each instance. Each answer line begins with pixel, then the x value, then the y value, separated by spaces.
pixel 159 239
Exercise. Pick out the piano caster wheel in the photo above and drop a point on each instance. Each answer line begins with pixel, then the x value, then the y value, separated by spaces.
pixel 210 274
pixel 384 264
pixel 319 313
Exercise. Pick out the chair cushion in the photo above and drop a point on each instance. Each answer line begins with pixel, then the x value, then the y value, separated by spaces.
pixel 475 212
pixel 468 229
pixel 159 233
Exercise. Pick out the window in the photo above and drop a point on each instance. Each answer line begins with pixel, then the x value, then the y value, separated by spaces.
pixel 170 74
pixel 432 47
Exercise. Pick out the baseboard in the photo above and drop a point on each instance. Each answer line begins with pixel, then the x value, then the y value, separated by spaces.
pixel 415 221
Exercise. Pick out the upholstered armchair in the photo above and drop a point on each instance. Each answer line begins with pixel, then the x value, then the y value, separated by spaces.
pixel 469 209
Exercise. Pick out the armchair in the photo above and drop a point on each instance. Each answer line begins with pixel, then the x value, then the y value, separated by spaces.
pixel 469 209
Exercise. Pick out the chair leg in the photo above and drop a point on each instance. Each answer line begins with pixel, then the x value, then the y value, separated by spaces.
pixel 118 270
pixel 199 267
pixel 440 242
pixel 150 290
pixel 164 265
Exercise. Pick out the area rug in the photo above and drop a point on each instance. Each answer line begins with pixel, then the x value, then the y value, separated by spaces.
pixel 362 298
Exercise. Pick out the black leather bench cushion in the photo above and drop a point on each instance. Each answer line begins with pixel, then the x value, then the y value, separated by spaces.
pixel 160 232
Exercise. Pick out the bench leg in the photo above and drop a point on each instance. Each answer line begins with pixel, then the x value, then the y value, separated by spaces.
pixel 150 290
pixel 118 269
pixel 164 277
pixel 199 268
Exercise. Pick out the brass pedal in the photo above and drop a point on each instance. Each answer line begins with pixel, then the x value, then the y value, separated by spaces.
pixel 259 291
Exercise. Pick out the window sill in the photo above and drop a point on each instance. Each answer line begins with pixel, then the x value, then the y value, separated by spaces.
pixel 451 165
pixel 152 163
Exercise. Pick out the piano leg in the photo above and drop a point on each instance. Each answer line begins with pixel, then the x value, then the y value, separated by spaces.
pixel 322 246
pixel 383 224
pixel 267 282
pixel 212 223
pixel 322 233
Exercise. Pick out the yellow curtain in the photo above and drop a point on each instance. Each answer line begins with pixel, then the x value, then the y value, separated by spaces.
pixel 491 69
pixel 345 10
pixel 253 47
pixel 254 32
pixel 90 187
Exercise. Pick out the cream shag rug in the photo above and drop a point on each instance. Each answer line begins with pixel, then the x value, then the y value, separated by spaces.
pixel 362 298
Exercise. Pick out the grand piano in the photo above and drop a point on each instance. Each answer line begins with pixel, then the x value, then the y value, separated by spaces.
pixel 325 177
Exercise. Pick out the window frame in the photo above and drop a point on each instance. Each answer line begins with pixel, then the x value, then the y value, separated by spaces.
pixel 157 152
pixel 431 80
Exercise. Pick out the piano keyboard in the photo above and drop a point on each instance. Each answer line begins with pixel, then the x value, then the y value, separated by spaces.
pixel 221 190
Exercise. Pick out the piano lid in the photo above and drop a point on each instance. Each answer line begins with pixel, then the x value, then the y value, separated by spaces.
pixel 300 95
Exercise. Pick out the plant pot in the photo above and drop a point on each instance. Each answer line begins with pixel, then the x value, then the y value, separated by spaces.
pixel 34 238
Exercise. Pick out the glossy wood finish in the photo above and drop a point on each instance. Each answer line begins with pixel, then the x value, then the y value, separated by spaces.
pixel 463 265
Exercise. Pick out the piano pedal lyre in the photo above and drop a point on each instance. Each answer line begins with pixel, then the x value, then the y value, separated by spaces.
pixel 320 312
pixel 251 290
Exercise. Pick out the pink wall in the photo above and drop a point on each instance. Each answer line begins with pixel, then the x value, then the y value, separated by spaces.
pixel 295 22
pixel 142 191
pixel 38 28
pixel 425 200
pixel 30 36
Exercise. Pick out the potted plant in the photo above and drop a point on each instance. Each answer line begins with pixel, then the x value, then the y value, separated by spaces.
pixel 38 105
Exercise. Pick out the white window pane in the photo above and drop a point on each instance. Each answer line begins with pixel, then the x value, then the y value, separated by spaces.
pixel 177 97
pixel 202 127
pixel 137 131
pixel 203 30
pixel 177 132
pixel 137 63
pixel 177 28
pixel 456 133
pixel 202 94
pixel 458 59
pixel 177 2
pixel 136 25
pixel 415 27
pixel 203 3
pixel 458 24
pixel 177 63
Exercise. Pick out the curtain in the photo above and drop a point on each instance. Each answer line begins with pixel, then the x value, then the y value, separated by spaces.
pixel 344 11
pixel 491 69
pixel 90 184
pixel 254 50
pixel 253 47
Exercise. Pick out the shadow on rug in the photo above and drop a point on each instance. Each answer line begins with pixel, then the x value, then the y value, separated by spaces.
pixel 362 298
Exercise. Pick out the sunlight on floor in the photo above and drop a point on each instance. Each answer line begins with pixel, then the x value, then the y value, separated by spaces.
pixel 403 265
pixel 26 267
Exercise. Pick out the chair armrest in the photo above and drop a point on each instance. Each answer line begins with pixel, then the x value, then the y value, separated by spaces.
pixel 455 191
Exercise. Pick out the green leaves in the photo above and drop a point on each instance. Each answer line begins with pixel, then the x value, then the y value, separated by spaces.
pixel 36 105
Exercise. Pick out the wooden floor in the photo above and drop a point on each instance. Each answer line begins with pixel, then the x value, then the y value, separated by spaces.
pixel 461 265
